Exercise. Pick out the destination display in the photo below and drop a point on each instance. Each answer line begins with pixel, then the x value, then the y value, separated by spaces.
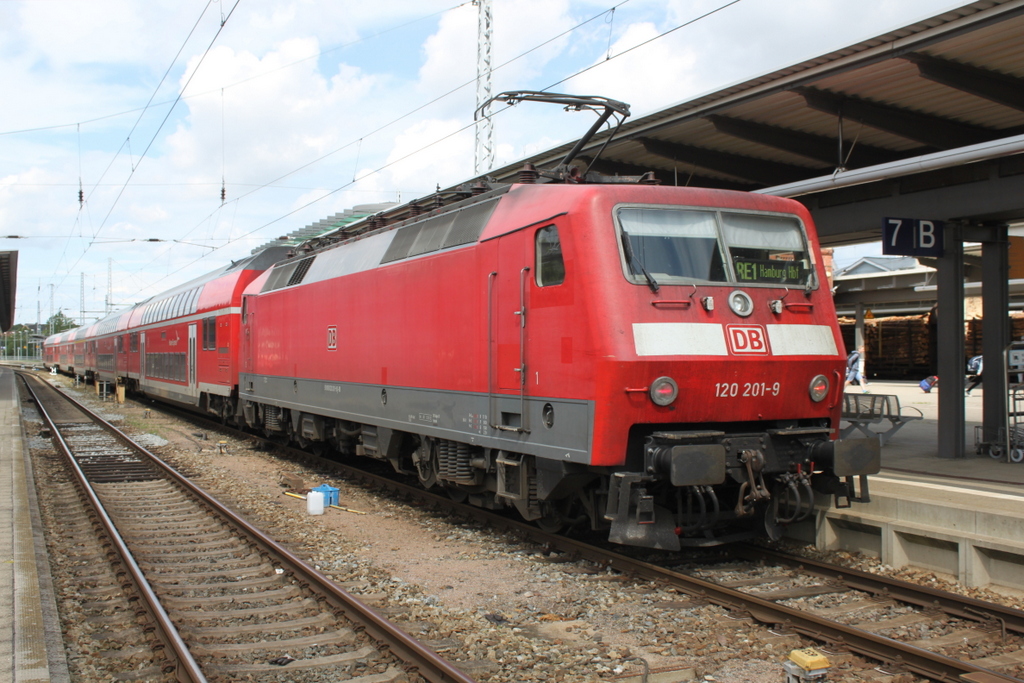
pixel 774 271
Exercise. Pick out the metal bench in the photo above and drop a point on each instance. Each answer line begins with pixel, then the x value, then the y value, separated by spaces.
pixel 862 410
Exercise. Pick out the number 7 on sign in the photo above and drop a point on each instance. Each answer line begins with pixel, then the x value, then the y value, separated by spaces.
pixel 896 224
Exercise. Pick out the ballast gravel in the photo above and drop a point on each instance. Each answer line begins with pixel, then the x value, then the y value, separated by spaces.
pixel 500 608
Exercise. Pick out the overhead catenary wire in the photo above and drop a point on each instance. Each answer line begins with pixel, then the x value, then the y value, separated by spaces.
pixel 466 127
pixel 157 132
pixel 170 109
pixel 437 141
pixel 406 115
pixel 318 55
pixel 149 102
pixel 223 152
pixel 127 139
pixel 646 42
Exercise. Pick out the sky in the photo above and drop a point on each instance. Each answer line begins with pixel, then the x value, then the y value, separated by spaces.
pixel 302 109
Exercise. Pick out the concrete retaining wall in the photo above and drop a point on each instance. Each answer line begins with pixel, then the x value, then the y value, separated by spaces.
pixel 976 536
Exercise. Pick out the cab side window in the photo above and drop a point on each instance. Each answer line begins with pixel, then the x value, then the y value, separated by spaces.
pixel 550 268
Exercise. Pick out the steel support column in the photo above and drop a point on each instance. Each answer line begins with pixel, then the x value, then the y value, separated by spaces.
pixel 858 329
pixel 951 344
pixel 995 331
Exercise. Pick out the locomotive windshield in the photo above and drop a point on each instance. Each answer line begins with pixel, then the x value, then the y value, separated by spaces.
pixel 673 246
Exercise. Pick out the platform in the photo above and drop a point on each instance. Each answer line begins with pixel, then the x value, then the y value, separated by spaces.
pixel 963 518
pixel 30 645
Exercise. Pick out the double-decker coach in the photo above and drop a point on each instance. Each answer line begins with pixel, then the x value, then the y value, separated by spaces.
pixel 180 346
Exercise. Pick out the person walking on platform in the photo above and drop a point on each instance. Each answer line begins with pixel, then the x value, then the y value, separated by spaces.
pixel 855 368
pixel 974 368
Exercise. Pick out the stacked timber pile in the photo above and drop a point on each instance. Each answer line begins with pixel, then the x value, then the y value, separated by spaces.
pixel 904 347
pixel 896 347
pixel 973 332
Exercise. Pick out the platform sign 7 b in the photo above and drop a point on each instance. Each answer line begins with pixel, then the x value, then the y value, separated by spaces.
pixel 911 237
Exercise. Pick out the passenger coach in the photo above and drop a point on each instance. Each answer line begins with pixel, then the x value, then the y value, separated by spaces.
pixel 180 346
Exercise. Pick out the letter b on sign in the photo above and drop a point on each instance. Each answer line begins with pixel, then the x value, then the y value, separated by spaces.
pixel 747 339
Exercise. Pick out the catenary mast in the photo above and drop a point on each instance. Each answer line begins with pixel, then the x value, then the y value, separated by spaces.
pixel 483 158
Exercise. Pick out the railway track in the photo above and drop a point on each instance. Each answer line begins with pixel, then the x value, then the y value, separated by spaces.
pixel 934 634
pixel 189 591
pixel 907 628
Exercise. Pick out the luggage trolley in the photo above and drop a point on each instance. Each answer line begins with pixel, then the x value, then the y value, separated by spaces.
pixel 1009 443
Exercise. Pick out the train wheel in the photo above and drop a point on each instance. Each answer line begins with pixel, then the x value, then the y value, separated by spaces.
pixel 227 412
pixel 559 515
pixel 425 459
pixel 456 493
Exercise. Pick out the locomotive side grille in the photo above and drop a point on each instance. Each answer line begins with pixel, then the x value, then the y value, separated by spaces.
pixel 431 235
pixel 278 278
pixel 440 232
pixel 400 245
pixel 469 223
pixel 272 418
pixel 300 271
pixel 453 461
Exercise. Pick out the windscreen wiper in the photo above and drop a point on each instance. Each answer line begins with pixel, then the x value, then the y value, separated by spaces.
pixel 635 263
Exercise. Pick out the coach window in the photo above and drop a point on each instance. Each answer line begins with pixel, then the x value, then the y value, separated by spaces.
pixel 209 334
pixel 550 265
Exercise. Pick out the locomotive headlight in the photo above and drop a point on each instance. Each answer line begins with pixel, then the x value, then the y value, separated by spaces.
pixel 818 388
pixel 741 303
pixel 664 390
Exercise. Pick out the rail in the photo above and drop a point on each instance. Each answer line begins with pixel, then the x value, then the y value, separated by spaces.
pixel 186 668
pixel 931 665
pixel 427 663
pixel 862 410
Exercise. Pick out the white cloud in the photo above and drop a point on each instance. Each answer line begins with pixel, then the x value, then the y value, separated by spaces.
pixel 647 78
pixel 304 79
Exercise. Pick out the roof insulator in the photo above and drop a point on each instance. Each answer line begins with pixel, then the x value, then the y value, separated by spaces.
pixel 528 174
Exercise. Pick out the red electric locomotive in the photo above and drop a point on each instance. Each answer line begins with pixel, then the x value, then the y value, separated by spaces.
pixel 661 361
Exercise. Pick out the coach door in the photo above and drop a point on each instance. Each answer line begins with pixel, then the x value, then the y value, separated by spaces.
pixel 248 316
pixel 508 319
pixel 192 357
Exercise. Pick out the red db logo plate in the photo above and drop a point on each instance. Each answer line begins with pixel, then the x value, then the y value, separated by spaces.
pixel 747 339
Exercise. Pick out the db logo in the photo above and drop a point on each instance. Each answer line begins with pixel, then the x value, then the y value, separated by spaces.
pixel 747 339
pixel 332 338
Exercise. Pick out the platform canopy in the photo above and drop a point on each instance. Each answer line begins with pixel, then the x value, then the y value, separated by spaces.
pixel 935 105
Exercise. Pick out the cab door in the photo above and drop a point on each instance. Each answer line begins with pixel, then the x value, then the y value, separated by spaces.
pixel 507 321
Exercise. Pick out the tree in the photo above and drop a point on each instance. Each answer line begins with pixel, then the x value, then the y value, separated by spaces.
pixel 59 322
